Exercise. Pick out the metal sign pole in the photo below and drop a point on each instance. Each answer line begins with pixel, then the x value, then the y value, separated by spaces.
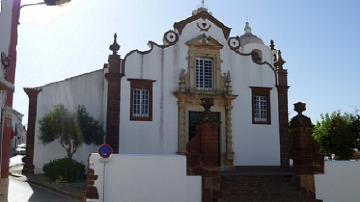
pixel 104 182
pixel 105 152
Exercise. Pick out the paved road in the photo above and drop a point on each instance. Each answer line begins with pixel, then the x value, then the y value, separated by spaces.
pixel 21 191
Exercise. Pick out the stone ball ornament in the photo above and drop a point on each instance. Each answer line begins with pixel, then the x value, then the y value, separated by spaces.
pixel 171 37
pixel 234 43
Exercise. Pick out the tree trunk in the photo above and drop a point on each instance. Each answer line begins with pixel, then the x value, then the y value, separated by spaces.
pixel 69 153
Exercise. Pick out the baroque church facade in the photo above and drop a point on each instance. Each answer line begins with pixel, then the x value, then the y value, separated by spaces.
pixel 149 101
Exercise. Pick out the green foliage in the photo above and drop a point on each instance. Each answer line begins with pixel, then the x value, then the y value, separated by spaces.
pixel 64 169
pixel 355 126
pixel 338 134
pixel 61 124
pixel 92 130
pixel 72 129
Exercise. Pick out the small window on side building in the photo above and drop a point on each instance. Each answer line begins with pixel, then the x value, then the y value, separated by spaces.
pixel 261 111
pixel 141 99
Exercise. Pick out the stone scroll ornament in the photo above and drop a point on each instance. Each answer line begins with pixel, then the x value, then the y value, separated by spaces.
pixel 204 26
pixel 234 43
pixel 171 37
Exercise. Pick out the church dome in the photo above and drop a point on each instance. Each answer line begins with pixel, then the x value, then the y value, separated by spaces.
pixel 248 37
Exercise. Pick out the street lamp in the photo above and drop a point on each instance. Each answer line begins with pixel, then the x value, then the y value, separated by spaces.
pixel 47 2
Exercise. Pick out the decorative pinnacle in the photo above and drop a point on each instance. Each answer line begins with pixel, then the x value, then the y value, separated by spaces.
pixel 272 44
pixel 247 28
pixel 203 3
pixel 280 62
pixel 201 8
pixel 115 47
pixel 299 107
pixel 228 77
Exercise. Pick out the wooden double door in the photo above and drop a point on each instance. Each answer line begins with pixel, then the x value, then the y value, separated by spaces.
pixel 207 137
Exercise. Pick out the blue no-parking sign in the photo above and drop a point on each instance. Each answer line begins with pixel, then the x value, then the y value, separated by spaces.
pixel 105 151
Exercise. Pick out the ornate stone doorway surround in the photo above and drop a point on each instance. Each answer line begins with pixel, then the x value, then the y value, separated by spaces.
pixel 222 104
pixel 189 97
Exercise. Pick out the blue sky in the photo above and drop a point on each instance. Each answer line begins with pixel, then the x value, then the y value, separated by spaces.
pixel 319 40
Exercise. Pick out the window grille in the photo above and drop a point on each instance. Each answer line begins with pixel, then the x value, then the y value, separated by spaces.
pixel 140 103
pixel 204 73
pixel 261 109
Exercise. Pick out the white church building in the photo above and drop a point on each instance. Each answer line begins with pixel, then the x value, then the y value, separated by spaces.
pixel 149 101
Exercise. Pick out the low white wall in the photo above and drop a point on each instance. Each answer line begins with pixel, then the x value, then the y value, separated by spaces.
pixel 144 178
pixel 340 182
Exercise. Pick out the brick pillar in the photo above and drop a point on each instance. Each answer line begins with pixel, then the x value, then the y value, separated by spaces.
pixel 282 89
pixel 113 97
pixel 91 190
pixel 211 185
pixel 29 158
pixel 204 155
pixel 307 158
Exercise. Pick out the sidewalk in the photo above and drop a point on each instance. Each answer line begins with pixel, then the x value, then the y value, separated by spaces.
pixel 74 190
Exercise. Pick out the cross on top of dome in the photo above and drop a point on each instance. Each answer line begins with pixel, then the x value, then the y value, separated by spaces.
pixel 201 8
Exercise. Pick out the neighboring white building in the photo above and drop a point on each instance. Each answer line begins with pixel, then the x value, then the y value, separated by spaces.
pixel 149 101
pixel 19 131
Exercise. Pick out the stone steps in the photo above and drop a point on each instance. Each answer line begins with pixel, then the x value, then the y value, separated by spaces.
pixel 265 187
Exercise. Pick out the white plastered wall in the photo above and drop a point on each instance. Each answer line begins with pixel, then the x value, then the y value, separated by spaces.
pixel 340 182
pixel 87 90
pixel 253 144
pixel 143 178
pixel 158 136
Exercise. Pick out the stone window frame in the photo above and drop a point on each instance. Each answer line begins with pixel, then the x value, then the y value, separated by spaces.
pixel 217 78
pixel 261 91
pixel 145 84
pixel 204 67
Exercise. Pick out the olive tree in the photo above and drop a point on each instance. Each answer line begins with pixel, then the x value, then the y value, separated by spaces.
pixel 72 129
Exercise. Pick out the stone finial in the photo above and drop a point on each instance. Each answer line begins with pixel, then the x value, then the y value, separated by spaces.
pixel 115 47
pixel 228 77
pixel 272 44
pixel 280 62
pixel 300 120
pixel 300 107
pixel 228 83
pixel 203 3
pixel 201 8
pixel 247 28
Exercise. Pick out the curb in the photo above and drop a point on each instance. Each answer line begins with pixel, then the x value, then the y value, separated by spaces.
pixel 55 189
